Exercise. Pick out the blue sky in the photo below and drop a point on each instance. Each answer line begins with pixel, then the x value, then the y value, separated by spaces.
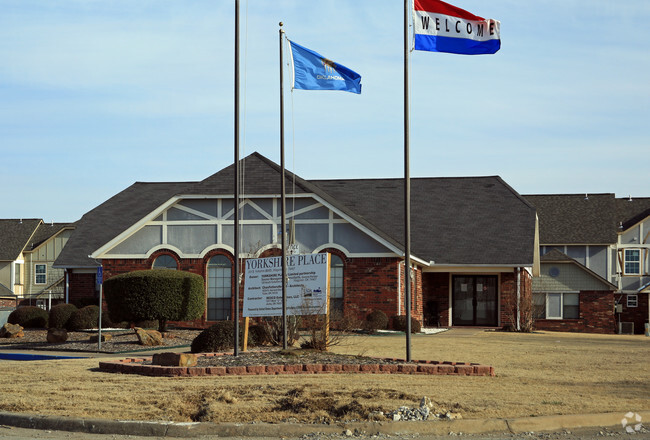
pixel 95 95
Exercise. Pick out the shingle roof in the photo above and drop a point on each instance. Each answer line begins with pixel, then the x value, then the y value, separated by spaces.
pixel 114 216
pixel 630 211
pixel 15 235
pixel 575 218
pixel 465 220
pixel 45 231
pixel 478 220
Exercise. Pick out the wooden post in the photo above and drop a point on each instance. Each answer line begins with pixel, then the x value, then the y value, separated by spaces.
pixel 246 319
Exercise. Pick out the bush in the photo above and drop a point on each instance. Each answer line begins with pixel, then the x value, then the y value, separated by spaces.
pixel 157 294
pixel 29 317
pixel 60 314
pixel 376 320
pixel 258 335
pixel 84 318
pixel 219 337
pixel 399 324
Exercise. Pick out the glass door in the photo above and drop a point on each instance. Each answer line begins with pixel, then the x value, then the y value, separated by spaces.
pixel 475 300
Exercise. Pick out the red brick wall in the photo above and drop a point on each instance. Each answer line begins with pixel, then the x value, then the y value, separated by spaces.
pixel 369 283
pixel 436 289
pixel 596 315
pixel 81 286
pixel 638 315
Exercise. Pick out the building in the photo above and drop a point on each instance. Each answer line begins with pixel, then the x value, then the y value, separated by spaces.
pixel 28 248
pixel 608 238
pixel 474 240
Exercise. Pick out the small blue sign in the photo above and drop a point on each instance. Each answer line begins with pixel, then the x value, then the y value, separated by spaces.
pixel 100 275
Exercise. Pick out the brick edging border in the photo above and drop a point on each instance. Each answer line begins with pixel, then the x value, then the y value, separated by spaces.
pixel 134 366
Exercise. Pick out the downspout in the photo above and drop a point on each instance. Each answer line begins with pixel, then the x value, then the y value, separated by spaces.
pixel 518 297
pixel 67 285
pixel 12 277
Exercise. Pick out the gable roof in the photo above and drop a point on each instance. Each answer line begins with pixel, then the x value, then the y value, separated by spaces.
pixel 630 211
pixel 15 235
pixel 557 257
pixel 575 218
pixel 111 218
pixel 454 221
pixel 477 220
pixel 45 231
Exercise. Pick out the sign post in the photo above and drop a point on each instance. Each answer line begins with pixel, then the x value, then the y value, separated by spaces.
pixel 100 281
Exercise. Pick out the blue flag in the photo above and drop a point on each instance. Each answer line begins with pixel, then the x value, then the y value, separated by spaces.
pixel 312 71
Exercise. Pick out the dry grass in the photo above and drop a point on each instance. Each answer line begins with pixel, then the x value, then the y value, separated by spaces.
pixel 537 374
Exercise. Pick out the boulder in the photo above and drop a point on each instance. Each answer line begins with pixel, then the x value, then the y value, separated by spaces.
pixel 105 337
pixel 57 335
pixel 11 331
pixel 174 359
pixel 148 338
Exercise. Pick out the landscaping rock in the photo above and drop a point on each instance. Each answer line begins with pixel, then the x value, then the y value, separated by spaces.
pixel 11 331
pixel 174 359
pixel 57 335
pixel 149 338
pixel 105 337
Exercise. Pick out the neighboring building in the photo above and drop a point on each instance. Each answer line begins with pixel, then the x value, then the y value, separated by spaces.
pixel 474 247
pixel 607 236
pixel 28 248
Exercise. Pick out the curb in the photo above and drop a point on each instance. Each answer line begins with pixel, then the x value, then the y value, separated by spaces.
pixel 172 429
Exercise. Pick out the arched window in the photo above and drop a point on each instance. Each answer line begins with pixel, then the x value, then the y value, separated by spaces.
pixel 219 288
pixel 165 262
pixel 336 285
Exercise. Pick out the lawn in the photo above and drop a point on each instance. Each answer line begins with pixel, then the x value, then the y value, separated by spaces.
pixel 536 374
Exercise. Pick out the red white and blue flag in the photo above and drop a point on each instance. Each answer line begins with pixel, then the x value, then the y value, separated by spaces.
pixel 441 27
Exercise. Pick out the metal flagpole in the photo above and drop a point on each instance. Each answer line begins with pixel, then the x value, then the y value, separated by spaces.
pixel 407 186
pixel 282 201
pixel 236 188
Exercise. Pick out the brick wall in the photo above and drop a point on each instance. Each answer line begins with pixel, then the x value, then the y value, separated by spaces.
pixel 436 290
pixel 81 286
pixel 596 315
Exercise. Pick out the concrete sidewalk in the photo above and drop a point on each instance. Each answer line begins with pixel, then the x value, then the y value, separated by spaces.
pixel 189 430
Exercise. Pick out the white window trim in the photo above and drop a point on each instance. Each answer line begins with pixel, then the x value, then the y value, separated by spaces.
pixel 635 300
pixel 561 318
pixel 36 274
pixel 640 262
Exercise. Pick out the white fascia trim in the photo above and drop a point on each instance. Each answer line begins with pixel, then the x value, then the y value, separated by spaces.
pixel 99 253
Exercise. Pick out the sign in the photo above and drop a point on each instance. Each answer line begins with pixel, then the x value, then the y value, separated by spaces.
pixel 307 288
pixel 100 275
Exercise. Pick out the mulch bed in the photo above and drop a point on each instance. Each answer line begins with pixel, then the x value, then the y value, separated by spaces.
pixel 123 341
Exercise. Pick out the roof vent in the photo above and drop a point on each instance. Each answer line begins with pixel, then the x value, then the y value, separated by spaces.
pixel 586 196
pixel 620 225
pixel 629 198
pixel 21 221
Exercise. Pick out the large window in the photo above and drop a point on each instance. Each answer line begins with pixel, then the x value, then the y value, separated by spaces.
pixel 40 273
pixel 336 284
pixel 165 262
pixel 219 288
pixel 556 305
pixel 632 262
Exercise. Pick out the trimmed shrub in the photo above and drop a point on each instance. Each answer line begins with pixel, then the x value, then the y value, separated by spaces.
pixel 376 320
pixel 157 294
pixel 29 317
pixel 84 318
pixel 257 335
pixel 399 324
pixel 219 337
pixel 60 314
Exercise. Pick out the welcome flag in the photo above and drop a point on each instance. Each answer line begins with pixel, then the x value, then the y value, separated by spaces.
pixel 312 71
pixel 441 27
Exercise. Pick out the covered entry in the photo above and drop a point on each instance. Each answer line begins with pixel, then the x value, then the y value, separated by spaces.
pixel 475 300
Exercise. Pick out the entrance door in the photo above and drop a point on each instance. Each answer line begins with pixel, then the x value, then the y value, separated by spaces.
pixel 475 300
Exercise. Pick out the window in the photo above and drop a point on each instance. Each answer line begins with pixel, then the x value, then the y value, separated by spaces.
pixel 165 262
pixel 632 300
pixel 556 305
pixel 219 288
pixel 632 262
pixel 336 284
pixel 40 273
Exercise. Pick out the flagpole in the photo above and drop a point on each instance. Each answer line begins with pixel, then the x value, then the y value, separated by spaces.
pixel 236 188
pixel 407 185
pixel 282 201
